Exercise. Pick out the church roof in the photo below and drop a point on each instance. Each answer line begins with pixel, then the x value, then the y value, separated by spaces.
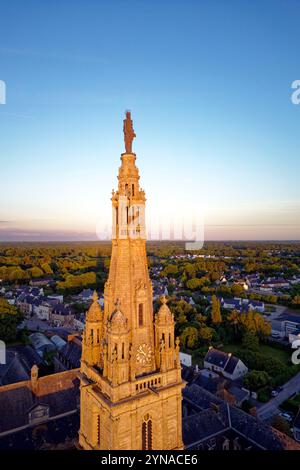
pixel 58 391
pixel 215 417
pixel 13 371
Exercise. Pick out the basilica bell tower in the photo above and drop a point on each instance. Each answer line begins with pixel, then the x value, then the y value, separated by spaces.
pixel 130 376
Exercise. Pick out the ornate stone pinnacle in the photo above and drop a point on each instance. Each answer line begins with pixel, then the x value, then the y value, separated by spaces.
pixel 118 304
pixel 95 296
pixel 164 300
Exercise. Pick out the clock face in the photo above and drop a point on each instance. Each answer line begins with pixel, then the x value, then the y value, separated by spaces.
pixel 143 354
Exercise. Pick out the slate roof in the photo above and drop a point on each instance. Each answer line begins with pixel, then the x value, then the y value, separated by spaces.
pixel 57 431
pixel 71 352
pixel 14 406
pixel 58 391
pixel 86 293
pixel 216 357
pixel 41 342
pixel 187 373
pixel 217 417
pixel 209 383
pixel 61 309
pixel 202 425
pixel 29 356
pixel 231 364
pixel 13 371
pixel 238 393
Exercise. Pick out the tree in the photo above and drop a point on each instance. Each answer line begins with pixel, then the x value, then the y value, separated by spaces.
pixel 256 379
pixel 250 341
pixel 216 316
pixel 190 270
pixel 206 334
pixel 189 337
pixel 235 320
pixel 237 290
pixel 10 317
pixel 35 272
pixel 255 322
pixel 170 269
pixel 47 268
pixel 194 283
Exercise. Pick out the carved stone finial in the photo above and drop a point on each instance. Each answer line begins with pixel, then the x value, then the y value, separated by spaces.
pixel 118 304
pixel 164 300
pixel 95 296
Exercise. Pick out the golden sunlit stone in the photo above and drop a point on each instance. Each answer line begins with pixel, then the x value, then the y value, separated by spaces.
pixel 130 373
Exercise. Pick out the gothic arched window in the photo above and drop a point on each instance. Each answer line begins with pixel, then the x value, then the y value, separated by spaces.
pixel 98 430
pixel 147 433
pixel 141 315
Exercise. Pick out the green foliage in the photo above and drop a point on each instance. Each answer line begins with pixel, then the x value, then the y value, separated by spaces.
pixel 216 316
pixel 256 379
pixel 35 272
pixel 195 283
pixel 73 282
pixel 10 317
pixel 47 268
pixel 264 395
pixel 237 290
pixel 246 406
pixel 189 337
pixel 170 269
pixel 262 362
pixel 206 334
pixel 250 341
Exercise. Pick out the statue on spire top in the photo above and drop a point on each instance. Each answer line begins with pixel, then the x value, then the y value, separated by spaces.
pixel 128 130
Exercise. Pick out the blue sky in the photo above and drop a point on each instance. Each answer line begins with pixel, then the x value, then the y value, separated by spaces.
pixel 209 86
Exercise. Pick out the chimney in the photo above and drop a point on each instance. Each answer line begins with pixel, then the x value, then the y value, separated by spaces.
pixel 34 376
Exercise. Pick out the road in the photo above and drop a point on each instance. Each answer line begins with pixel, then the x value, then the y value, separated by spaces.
pixel 270 408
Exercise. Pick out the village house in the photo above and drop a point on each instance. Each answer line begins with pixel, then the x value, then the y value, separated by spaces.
pixel 61 315
pixel 52 401
pixel 227 364
pixel 42 309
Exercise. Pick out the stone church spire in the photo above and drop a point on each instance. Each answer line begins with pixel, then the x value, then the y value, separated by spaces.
pixel 130 371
